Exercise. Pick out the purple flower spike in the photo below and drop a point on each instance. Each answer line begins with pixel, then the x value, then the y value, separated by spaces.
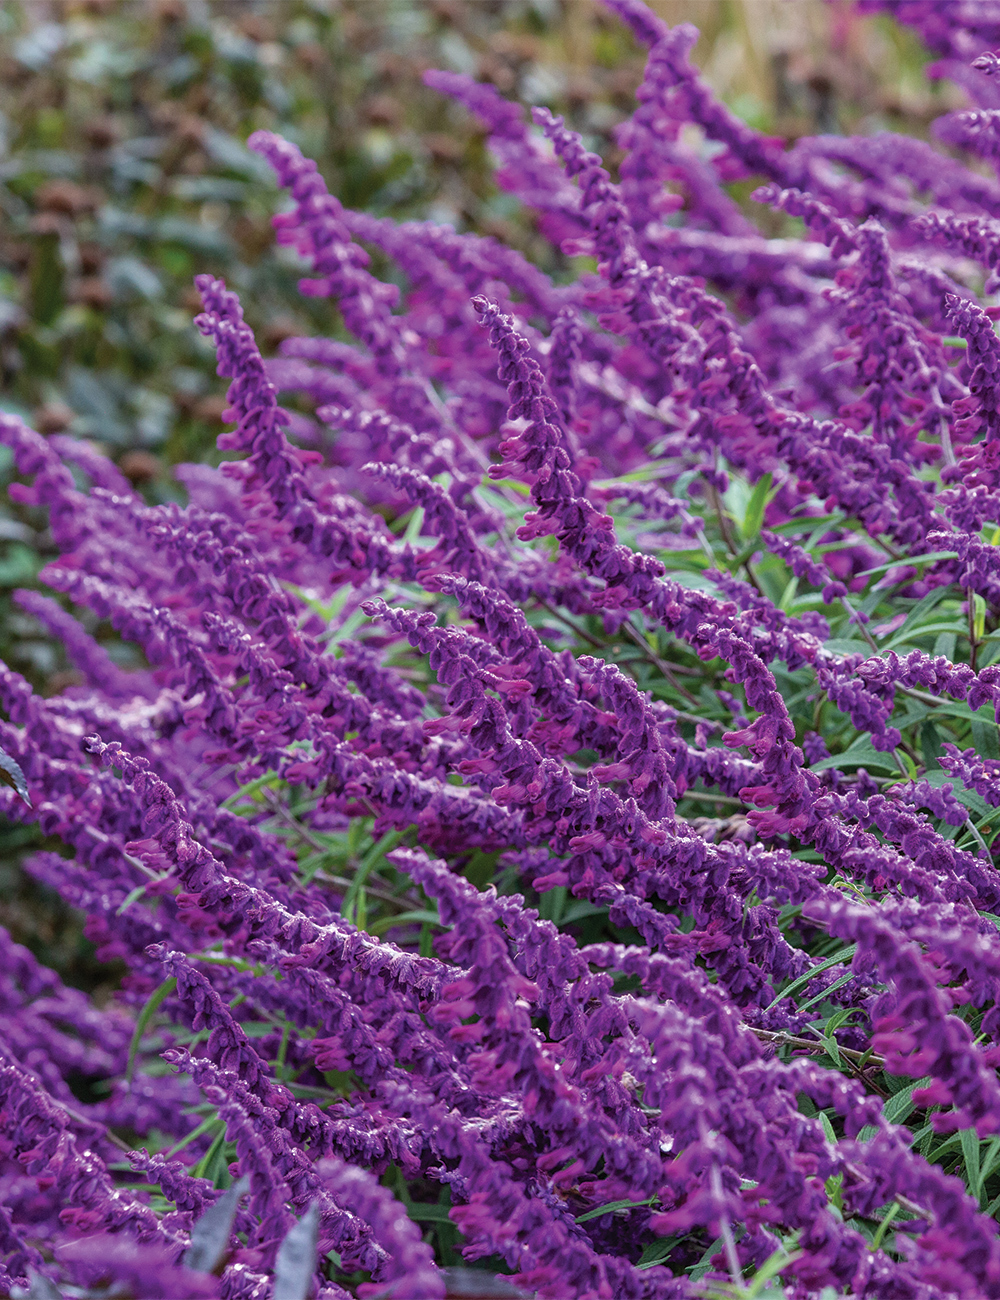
pixel 553 820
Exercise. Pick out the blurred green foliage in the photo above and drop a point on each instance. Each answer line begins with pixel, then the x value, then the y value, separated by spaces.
pixel 124 170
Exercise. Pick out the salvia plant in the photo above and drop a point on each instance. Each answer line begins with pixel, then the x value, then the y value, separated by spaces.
pixel 552 827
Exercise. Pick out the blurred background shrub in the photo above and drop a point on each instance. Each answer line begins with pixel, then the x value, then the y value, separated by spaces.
pixel 124 170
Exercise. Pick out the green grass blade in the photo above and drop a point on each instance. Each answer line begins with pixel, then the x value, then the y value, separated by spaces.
pixel 612 1205
pixel 386 923
pixel 145 1016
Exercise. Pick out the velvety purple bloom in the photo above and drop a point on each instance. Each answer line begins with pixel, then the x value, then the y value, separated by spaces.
pixel 977 130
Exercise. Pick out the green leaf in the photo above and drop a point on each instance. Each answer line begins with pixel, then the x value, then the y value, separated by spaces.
pixel 900 1105
pixel 847 644
pixel 350 908
pixel 204 1127
pixel 612 1205
pixel 910 560
pixel 861 754
pixel 551 904
pixel 907 634
pixel 953 708
pixel 970 1154
pixel 210 1233
pixel 295 1262
pixel 145 1016
pixel 515 485
pixel 884 1225
pixel 978 616
pixel 945 645
pixel 46 278
pixel 656 1252
pixel 429 1213
pixel 845 954
pixel 250 789
pixel 193 236
pixel 770 1268
pixel 347 629
pixel 386 923
pixel 788 595
pixel 213 1165
pixel 984 738
pixel 258 1028
pixel 830 988
pixel 132 896
pixel 698 1271
pixel 925 606
pixel 989 1163
pixel 810 524
pixel 692 560
pixel 754 517
pixel 578 910
pixel 11 774
pixel 930 746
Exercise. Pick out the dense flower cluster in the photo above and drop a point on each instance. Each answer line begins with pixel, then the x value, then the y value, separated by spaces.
pixel 396 826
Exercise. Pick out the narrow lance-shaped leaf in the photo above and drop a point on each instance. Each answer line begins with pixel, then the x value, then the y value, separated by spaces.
pixel 210 1234
pixel 295 1262
pixel 12 775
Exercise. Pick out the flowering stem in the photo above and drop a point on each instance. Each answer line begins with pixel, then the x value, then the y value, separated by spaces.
pixel 706 797
pixel 853 615
pixel 790 1040
pixel 973 638
pixel 655 659
pixel 727 535
pixel 973 831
